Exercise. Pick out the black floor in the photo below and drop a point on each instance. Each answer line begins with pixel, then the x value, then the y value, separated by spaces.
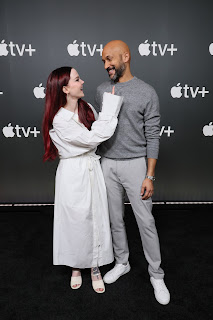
pixel 32 288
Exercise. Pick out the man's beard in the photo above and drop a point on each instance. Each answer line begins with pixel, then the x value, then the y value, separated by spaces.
pixel 118 72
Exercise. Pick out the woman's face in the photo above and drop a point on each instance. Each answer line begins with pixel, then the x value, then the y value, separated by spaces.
pixel 75 85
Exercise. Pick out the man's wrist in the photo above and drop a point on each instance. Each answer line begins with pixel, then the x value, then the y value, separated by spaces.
pixel 150 177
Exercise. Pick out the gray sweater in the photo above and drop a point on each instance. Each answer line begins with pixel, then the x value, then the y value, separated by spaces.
pixel 137 132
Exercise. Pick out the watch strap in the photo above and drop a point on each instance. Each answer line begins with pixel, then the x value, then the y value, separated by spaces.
pixel 151 178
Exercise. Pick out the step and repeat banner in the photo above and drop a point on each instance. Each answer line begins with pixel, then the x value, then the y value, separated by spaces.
pixel 172 49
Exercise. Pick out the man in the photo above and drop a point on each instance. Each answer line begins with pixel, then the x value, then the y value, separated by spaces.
pixel 128 161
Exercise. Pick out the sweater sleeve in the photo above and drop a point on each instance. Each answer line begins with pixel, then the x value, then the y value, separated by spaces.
pixel 152 126
pixel 97 104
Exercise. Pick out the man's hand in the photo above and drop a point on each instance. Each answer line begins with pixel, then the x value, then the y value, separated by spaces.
pixel 148 188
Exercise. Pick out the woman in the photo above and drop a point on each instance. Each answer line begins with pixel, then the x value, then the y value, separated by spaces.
pixel 82 237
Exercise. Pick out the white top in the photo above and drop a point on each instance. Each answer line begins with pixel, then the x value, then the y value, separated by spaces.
pixel 72 138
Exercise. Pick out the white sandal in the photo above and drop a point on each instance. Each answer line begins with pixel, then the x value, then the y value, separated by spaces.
pixel 97 284
pixel 76 280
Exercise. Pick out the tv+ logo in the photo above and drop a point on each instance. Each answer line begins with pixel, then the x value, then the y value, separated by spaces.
pixel 15 49
pixel 156 49
pixel 168 131
pixel 8 131
pixel 73 49
pixel 188 92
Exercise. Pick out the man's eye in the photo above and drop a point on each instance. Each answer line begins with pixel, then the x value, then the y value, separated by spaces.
pixel 77 79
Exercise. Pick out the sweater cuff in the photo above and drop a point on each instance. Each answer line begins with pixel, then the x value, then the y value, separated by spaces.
pixel 153 154
pixel 152 151
pixel 111 104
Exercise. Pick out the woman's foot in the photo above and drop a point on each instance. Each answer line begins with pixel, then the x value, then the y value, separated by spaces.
pixel 76 279
pixel 97 282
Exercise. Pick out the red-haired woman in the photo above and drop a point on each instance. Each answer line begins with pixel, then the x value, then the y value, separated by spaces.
pixel 82 237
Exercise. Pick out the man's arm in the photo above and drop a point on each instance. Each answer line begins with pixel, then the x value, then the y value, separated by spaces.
pixel 148 186
pixel 152 135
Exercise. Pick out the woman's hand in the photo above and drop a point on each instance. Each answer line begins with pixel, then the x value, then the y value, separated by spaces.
pixel 113 90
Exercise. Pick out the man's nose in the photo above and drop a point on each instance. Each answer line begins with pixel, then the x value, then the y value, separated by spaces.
pixel 106 64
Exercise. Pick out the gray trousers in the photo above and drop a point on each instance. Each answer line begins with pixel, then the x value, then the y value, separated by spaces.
pixel 129 175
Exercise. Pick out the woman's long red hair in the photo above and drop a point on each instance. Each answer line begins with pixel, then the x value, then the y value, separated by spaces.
pixel 55 99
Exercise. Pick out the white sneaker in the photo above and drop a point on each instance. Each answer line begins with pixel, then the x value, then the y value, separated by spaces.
pixel 116 272
pixel 161 292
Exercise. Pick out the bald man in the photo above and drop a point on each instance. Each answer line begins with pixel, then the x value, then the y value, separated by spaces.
pixel 128 161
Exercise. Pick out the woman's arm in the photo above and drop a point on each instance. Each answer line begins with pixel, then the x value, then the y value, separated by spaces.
pixel 76 135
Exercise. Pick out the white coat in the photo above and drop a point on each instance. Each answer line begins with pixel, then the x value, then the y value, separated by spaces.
pixel 82 236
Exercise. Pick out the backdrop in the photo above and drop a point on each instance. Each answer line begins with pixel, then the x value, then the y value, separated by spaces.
pixel 172 49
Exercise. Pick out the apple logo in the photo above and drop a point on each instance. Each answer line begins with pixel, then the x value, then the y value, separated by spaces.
pixel 176 91
pixel 208 130
pixel 8 131
pixel 72 49
pixel 211 48
pixel 3 49
pixel 144 48
pixel 39 92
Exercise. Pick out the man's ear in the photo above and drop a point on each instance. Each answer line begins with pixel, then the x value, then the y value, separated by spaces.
pixel 126 57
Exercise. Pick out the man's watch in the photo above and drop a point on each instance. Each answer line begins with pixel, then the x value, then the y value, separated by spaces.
pixel 151 178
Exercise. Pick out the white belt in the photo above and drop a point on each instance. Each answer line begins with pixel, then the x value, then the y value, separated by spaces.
pixel 91 158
